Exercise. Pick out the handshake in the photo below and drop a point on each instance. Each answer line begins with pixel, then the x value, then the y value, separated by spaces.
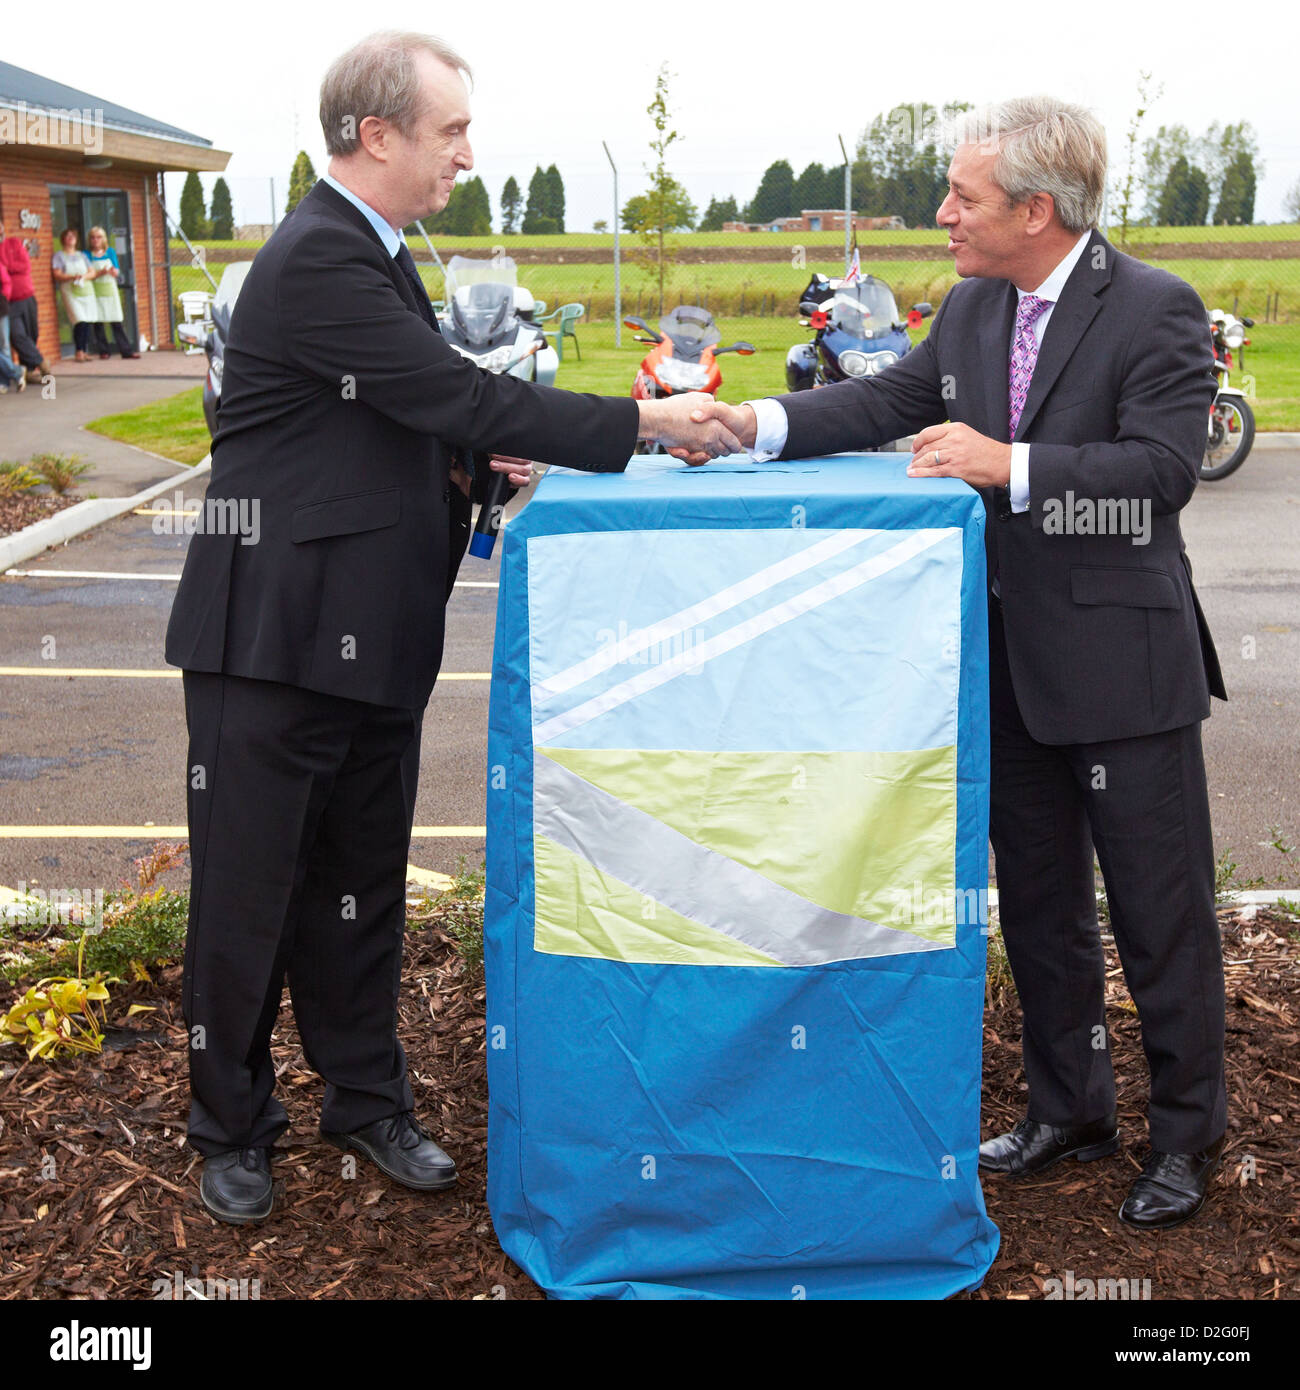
pixel 696 428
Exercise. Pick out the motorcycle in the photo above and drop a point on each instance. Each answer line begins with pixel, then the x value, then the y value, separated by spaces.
pixel 1232 421
pixel 489 319
pixel 856 331
pixel 211 336
pixel 683 357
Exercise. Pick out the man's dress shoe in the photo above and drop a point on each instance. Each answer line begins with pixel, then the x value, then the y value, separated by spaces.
pixel 236 1185
pixel 400 1148
pixel 1031 1146
pixel 1171 1188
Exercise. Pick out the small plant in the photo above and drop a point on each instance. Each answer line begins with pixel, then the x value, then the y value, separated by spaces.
pixel 57 1016
pixel 60 471
pixel 16 479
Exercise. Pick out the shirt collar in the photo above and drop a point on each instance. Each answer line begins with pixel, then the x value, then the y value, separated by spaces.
pixel 392 240
pixel 1051 288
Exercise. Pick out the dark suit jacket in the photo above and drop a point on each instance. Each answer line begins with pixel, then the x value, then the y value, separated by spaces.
pixel 340 409
pixel 1105 638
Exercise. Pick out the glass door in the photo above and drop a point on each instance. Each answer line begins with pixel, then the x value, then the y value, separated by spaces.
pixel 112 212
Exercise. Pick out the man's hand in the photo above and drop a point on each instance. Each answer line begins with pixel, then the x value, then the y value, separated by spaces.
pixel 957 451
pixel 520 470
pixel 689 426
pixel 739 419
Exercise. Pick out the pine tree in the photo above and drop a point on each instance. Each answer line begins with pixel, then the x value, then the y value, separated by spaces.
pixel 194 217
pixel 555 197
pixel 719 211
pixel 1236 205
pixel 301 180
pixel 223 215
pixel 775 196
pixel 511 207
pixel 538 202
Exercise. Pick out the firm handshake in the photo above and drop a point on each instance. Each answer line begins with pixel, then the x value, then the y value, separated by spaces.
pixel 695 427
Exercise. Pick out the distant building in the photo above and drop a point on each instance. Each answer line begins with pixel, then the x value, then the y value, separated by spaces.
pixel 69 159
pixel 818 220
pixel 254 231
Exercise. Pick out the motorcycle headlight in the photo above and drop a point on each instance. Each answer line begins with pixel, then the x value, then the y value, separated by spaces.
pixel 854 363
pixel 878 361
pixel 1234 335
pixel 682 376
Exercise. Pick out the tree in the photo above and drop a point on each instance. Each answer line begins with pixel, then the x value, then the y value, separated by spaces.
pixel 664 206
pixel 775 196
pixel 1291 203
pixel 719 211
pixel 511 206
pixel 1168 145
pixel 223 215
pixel 600 225
pixel 1185 199
pixel 194 217
pixel 301 179
pixel 555 197
pixel 906 169
pixel 538 200
pixel 468 211
pixel 1236 205
pixel 809 190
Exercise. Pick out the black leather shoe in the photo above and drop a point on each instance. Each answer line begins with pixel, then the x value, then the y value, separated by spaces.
pixel 400 1148
pixel 1171 1189
pixel 1031 1147
pixel 236 1185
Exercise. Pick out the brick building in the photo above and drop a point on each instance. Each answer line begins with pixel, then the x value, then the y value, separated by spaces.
pixel 818 220
pixel 69 159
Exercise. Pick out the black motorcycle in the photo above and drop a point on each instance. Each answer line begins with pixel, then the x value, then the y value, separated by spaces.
pixel 211 336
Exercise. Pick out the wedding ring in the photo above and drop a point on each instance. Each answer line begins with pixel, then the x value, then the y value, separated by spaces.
pixel 936 458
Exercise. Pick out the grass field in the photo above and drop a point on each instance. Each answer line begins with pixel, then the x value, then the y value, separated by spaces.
pixel 174 427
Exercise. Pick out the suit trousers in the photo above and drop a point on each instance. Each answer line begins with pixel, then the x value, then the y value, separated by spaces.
pixel 1142 803
pixel 300 810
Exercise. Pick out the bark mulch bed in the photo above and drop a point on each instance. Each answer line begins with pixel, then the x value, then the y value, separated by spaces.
pixel 26 509
pixel 120 1208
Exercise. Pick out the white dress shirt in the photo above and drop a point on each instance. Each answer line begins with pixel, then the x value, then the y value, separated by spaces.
pixel 773 424
pixel 392 239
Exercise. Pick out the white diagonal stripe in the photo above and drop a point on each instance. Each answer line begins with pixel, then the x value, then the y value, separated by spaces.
pixel 699 883
pixel 695 657
pixel 667 628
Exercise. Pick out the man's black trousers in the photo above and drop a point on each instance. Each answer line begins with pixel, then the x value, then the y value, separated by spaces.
pixel 300 810
pixel 1142 803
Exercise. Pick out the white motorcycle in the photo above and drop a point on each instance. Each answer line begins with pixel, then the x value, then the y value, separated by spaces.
pixel 489 318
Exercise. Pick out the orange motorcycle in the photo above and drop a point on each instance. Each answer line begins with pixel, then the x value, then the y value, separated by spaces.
pixel 682 358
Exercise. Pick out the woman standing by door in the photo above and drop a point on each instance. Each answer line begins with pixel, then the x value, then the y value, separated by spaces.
pixel 108 297
pixel 72 276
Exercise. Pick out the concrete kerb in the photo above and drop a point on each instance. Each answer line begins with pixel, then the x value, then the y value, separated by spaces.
pixel 84 516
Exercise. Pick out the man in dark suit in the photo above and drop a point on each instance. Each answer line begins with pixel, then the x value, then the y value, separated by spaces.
pixel 1070 384
pixel 309 621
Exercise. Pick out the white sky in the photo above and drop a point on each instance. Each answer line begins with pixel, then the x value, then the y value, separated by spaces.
pixel 754 82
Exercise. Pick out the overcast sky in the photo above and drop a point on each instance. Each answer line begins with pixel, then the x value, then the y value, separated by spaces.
pixel 753 82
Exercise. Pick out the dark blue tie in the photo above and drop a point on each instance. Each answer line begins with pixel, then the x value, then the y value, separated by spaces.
pixel 406 264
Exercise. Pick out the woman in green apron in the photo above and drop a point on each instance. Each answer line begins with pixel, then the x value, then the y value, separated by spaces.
pixel 72 275
pixel 108 298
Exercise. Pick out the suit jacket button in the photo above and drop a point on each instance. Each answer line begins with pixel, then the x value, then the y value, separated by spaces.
pixel 446 494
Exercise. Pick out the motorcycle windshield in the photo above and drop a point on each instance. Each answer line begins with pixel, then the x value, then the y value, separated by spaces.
pixel 481 295
pixel 690 329
pixel 223 302
pixel 863 310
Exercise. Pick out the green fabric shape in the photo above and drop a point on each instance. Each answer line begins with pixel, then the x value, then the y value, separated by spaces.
pixel 583 912
pixel 871 834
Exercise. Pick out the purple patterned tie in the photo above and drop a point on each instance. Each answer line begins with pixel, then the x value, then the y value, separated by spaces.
pixel 1024 353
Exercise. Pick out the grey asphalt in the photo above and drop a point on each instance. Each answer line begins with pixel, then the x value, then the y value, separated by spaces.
pixel 111 751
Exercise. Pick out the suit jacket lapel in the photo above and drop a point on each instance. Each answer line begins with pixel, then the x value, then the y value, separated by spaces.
pixel 329 198
pixel 1073 312
pixel 994 339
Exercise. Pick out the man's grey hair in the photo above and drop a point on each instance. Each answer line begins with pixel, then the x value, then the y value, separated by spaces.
pixel 378 77
pixel 1044 146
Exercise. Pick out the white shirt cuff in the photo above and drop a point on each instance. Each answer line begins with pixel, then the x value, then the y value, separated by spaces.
pixel 1019 486
pixel 773 426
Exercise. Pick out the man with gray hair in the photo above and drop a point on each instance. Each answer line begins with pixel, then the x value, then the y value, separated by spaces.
pixel 309 656
pixel 1070 385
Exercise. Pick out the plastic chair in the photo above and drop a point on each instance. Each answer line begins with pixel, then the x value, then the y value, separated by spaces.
pixel 569 315
pixel 196 307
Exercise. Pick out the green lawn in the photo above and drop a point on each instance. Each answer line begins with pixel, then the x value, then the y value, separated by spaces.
pixel 174 427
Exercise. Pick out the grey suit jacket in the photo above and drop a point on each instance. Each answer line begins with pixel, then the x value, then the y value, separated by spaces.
pixel 1105 636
